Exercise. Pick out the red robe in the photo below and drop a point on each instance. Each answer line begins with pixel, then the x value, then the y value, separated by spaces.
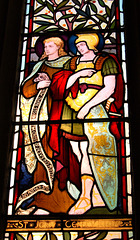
pixel 59 144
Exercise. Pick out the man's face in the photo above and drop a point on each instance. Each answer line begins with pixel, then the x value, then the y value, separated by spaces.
pixel 82 47
pixel 50 48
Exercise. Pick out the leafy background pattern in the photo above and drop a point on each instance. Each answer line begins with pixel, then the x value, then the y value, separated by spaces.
pixel 75 15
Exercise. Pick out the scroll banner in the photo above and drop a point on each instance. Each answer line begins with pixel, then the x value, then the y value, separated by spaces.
pixel 38 150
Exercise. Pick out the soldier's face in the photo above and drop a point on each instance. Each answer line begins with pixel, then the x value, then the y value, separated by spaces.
pixel 82 47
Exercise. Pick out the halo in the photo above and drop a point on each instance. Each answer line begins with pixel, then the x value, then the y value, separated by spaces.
pixel 96 43
pixel 39 46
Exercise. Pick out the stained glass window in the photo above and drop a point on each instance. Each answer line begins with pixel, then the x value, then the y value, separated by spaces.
pixel 71 174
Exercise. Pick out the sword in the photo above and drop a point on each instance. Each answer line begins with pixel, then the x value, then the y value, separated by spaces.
pixel 107 107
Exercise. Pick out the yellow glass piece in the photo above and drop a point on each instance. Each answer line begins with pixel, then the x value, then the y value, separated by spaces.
pixel 92 39
pixel 82 98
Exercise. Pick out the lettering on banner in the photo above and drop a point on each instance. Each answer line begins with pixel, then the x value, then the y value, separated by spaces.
pixel 80 224
pixel 99 224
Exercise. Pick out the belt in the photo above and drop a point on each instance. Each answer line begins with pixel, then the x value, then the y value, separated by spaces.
pixel 84 86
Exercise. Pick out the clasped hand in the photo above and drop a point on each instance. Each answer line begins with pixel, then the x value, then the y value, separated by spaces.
pixel 42 80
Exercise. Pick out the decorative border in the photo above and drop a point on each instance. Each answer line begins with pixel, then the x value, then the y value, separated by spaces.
pixel 70 225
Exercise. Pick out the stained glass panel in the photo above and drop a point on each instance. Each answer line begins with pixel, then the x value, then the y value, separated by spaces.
pixel 71 164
